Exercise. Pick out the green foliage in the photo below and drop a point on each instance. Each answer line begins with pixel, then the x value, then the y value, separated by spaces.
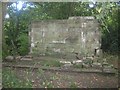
pixel 51 63
pixel 23 44
pixel 73 85
pixel 79 66
pixel 10 80
pixel 47 84
pixel 17 26
pixel 15 31
pixel 0 54
pixel 4 51
pixel 108 18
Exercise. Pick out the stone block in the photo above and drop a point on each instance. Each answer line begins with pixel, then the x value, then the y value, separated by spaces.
pixel 77 61
pixel 109 70
pixel 86 65
pixel 9 58
pixel 18 57
pixel 28 56
pixel 67 66
pixel 97 65
pixel 65 62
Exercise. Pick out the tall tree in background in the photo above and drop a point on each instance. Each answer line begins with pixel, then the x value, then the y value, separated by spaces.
pixel 16 27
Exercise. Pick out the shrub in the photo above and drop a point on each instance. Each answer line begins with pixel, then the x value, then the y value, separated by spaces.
pixel 23 44
pixel 10 80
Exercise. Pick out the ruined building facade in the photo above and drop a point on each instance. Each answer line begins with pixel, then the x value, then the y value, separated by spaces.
pixel 79 35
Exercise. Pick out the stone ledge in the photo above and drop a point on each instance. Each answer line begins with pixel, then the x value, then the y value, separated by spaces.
pixel 60 69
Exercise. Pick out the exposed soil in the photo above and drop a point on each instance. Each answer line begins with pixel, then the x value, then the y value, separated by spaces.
pixel 54 79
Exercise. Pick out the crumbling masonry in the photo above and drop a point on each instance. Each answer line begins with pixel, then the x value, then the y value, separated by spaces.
pixel 65 38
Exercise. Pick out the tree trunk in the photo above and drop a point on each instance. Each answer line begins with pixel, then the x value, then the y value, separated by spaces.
pixel 3 10
pixel 2 41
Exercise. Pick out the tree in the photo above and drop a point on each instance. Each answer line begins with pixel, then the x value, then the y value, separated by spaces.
pixel 16 27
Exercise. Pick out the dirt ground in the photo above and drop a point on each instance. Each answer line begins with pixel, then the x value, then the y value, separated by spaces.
pixel 54 79
pixel 43 79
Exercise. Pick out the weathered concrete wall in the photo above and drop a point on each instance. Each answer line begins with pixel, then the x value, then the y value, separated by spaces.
pixel 65 37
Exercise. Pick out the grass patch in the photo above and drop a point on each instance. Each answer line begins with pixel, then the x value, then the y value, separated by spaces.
pixel 78 66
pixel 111 59
pixel 73 85
pixel 51 63
pixel 0 54
pixel 47 84
pixel 10 80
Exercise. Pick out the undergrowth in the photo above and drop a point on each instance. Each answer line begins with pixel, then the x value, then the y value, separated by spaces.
pixel 10 80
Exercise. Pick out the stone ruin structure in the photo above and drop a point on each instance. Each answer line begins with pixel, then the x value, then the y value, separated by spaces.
pixel 65 38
